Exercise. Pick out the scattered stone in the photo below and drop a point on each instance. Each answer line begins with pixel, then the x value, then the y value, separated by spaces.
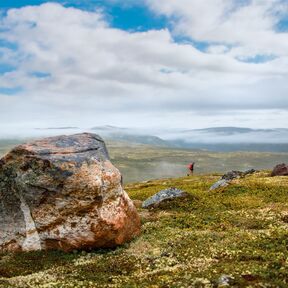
pixel 225 280
pixel 249 172
pixel 162 196
pixel 237 174
pixel 63 193
pixel 228 177
pixel 232 175
pixel 280 170
pixel 220 183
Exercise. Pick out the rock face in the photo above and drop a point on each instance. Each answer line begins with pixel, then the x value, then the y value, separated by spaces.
pixel 280 170
pixel 164 195
pixel 63 193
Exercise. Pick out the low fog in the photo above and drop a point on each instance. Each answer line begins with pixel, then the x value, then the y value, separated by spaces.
pixel 214 135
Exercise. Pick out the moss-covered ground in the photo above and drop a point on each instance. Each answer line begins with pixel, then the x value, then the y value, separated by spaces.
pixel 240 231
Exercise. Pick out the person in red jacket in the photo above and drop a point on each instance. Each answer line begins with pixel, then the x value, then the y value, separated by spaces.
pixel 191 168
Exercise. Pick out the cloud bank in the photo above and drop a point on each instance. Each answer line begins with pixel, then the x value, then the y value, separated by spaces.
pixel 223 63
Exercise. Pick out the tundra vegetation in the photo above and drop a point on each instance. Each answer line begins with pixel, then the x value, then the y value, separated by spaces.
pixel 238 233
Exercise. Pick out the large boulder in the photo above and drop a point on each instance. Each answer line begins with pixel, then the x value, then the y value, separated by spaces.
pixel 280 170
pixel 63 193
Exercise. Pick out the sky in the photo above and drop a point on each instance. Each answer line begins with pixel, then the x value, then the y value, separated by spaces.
pixel 143 64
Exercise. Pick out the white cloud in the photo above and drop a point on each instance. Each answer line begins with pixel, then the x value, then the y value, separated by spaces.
pixel 217 49
pixel 247 25
pixel 97 74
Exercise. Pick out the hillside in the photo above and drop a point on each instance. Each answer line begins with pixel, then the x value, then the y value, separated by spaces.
pixel 221 139
pixel 240 232
pixel 225 139
pixel 217 139
pixel 144 162
pixel 138 162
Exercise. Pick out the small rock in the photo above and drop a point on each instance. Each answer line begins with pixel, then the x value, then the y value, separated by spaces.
pixel 232 175
pixel 218 184
pixel 280 170
pixel 225 280
pixel 249 172
pixel 237 174
pixel 164 195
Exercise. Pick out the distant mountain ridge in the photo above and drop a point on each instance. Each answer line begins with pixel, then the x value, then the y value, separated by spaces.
pixel 109 128
pixel 227 138
pixel 57 128
pixel 234 130
pixel 127 135
pixel 212 138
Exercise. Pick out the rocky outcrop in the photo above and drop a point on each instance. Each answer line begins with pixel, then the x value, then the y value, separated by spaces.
pixel 237 174
pixel 163 196
pixel 280 170
pixel 63 193
pixel 229 176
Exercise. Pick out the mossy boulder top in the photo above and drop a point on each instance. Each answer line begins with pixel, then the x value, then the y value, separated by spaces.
pixel 63 193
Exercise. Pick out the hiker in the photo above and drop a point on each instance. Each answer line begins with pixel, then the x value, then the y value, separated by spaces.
pixel 191 168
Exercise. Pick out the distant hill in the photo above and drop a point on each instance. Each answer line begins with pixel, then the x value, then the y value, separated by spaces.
pixel 231 135
pixel 141 139
pixel 226 139
pixel 231 147
pixel 57 128
pixel 223 139
pixel 128 135
pixel 230 130
pixel 109 129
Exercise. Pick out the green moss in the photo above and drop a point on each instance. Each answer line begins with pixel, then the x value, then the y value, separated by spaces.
pixel 239 231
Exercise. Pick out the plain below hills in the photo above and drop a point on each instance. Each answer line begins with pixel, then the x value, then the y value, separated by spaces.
pixel 140 162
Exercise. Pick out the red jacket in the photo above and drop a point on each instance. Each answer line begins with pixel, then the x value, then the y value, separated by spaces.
pixel 191 166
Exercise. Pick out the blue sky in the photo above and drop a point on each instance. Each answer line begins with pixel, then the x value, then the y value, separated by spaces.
pixel 150 59
pixel 136 17
pixel 130 15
